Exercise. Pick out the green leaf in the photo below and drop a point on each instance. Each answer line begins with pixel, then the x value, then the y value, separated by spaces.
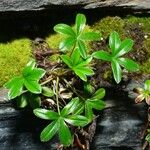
pixel 15 87
pixel 64 133
pixel 96 103
pixel 45 114
pixel 90 36
pixel 71 107
pixel 102 55
pixel 147 85
pixel 99 94
pixel 33 86
pixel 117 72
pixel 66 59
pixel 49 131
pixel 125 47
pixel 128 64
pixel 34 100
pixel 22 101
pixel 88 88
pixel 80 22
pixel 33 74
pixel 85 70
pixel 64 29
pixel 80 74
pixel 88 112
pixel 82 48
pixel 48 92
pixel 114 42
pixel 75 57
pixel 147 138
pixel 67 44
pixel 77 120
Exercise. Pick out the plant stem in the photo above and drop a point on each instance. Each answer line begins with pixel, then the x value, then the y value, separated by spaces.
pixel 57 102
pixel 47 80
pixel 74 90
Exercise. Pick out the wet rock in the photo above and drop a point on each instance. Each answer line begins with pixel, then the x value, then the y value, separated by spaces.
pixel 30 5
pixel 120 128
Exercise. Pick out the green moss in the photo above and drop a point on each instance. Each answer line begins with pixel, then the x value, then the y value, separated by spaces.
pixel 137 28
pixel 142 21
pixel 109 24
pixel 13 57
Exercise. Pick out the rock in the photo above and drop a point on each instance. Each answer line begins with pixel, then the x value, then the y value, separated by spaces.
pixel 30 5
pixel 19 130
pixel 118 127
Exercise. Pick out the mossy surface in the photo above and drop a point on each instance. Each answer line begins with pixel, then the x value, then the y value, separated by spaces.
pixel 13 57
pixel 136 28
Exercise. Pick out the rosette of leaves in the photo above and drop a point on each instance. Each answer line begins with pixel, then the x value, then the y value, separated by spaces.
pixel 76 38
pixel 60 122
pixel 26 86
pixel 87 105
pixel 143 93
pixel 80 66
pixel 118 49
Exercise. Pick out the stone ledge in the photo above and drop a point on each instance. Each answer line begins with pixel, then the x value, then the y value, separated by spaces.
pixel 30 5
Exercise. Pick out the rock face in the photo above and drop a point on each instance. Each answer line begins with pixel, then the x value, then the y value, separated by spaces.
pixel 30 5
pixel 119 126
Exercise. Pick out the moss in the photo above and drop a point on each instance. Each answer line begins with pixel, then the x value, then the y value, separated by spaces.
pixel 13 57
pixel 109 24
pixel 136 28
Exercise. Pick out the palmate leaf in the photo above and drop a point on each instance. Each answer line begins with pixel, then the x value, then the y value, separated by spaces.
pixel 77 120
pixel 118 49
pixel 48 92
pixel 45 114
pixel 29 78
pixel 102 55
pixel 89 36
pixel 64 29
pixel 114 42
pixel 80 23
pixel 22 101
pixel 117 72
pixel 15 87
pixel 99 94
pixel 79 66
pixel 82 48
pixel 49 131
pixel 71 107
pixel 125 47
pixel 64 133
pixel 67 44
pixel 128 64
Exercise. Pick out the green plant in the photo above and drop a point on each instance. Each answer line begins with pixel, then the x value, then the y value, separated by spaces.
pixel 143 93
pixel 80 66
pixel 76 38
pixel 60 122
pixel 147 138
pixel 66 106
pixel 118 49
pixel 26 87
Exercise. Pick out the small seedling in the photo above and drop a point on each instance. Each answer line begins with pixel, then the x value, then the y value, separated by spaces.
pixel 118 49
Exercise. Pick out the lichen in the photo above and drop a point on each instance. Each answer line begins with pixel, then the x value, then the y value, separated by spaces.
pixel 13 57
